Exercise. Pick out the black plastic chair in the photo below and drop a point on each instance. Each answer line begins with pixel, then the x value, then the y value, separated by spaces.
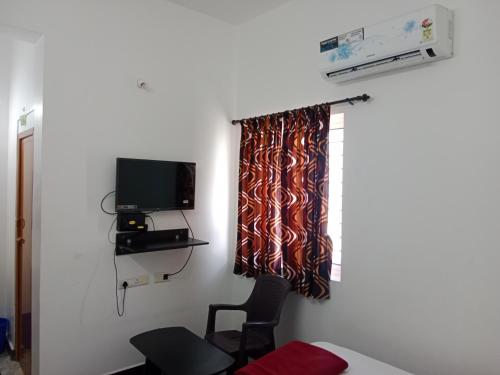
pixel 263 310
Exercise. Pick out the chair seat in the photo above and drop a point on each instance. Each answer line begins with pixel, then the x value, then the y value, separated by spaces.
pixel 229 341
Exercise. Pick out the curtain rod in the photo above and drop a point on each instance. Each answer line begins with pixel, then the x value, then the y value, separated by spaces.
pixel 359 98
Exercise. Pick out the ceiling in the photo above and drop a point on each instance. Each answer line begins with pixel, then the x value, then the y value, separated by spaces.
pixel 232 11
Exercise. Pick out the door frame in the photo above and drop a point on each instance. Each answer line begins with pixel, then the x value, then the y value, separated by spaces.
pixel 19 210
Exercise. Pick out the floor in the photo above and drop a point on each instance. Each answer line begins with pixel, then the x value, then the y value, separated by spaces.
pixel 8 367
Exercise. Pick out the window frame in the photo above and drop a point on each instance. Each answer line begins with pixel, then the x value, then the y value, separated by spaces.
pixel 336 174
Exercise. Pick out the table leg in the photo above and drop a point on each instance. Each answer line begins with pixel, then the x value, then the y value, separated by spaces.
pixel 151 369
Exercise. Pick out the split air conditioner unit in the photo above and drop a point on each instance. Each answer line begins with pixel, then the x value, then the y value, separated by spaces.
pixel 419 37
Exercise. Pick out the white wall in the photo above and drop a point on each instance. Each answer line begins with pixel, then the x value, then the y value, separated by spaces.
pixel 93 112
pixel 421 177
pixel 5 68
pixel 24 94
pixel 420 257
pixel 21 90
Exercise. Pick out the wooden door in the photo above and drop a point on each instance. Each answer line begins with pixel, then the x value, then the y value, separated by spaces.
pixel 23 250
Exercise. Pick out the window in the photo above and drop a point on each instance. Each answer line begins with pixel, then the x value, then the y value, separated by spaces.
pixel 336 144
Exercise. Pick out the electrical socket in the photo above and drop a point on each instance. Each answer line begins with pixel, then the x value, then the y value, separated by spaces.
pixel 161 277
pixel 134 281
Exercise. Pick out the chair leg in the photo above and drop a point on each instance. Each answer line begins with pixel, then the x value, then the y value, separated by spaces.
pixel 231 370
pixel 241 361
pixel 272 345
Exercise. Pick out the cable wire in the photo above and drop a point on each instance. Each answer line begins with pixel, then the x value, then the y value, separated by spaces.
pixel 190 253
pixel 110 230
pixel 152 221
pixel 187 222
pixel 120 314
pixel 102 202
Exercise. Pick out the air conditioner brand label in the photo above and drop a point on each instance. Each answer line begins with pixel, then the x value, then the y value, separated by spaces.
pixel 348 38
pixel 329 44
pixel 185 201
pixel 352 37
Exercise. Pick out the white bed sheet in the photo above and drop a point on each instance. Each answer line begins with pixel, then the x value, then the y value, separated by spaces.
pixel 360 364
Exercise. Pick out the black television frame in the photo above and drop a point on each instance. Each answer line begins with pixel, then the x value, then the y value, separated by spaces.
pixel 191 206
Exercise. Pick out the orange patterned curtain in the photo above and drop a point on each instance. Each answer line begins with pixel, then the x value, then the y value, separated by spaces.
pixel 283 199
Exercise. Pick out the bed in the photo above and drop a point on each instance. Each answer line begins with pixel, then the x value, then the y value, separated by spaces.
pixel 318 358
pixel 360 364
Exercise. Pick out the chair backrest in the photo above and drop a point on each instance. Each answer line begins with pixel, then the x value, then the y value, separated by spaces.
pixel 267 298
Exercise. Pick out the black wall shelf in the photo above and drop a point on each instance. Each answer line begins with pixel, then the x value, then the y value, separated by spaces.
pixel 129 243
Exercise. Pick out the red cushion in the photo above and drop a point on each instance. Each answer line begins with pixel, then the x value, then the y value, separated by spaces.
pixel 296 358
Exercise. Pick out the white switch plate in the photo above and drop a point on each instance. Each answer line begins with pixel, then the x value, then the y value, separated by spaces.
pixel 135 281
pixel 160 277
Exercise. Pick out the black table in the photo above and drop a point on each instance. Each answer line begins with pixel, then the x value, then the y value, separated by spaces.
pixel 178 351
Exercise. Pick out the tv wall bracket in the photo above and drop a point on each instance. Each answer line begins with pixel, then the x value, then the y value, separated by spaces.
pixel 128 243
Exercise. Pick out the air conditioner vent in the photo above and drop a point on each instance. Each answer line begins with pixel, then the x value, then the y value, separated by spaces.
pixel 389 60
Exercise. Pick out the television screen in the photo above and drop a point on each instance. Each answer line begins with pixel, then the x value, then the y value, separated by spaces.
pixel 152 185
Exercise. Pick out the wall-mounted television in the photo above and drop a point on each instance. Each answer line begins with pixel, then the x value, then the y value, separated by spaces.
pixel 154 185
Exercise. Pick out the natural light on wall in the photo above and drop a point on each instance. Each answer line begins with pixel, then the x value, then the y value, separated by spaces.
pixel 336 142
